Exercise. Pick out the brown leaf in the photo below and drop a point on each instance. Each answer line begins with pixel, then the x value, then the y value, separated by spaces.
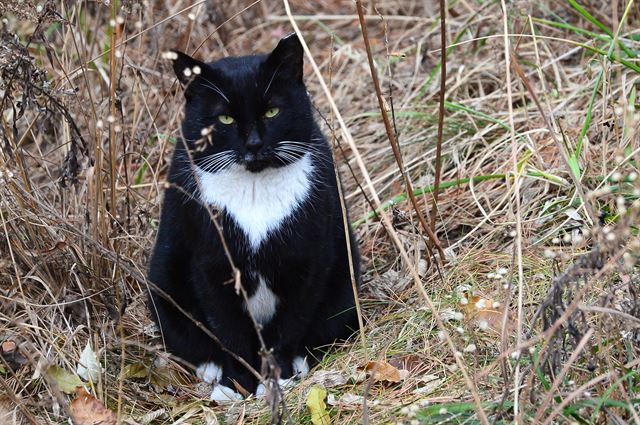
pixel 411 362
pixel 382 371
pixel 88 410
pixel 485 313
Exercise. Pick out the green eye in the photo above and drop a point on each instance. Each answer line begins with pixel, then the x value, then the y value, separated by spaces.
pixel 226 119
pixel 272 112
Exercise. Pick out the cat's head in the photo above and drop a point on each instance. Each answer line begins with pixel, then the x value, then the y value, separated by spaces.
pixel 251 111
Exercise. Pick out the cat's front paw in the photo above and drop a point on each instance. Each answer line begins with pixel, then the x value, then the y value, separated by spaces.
pixel 282 383
pixel 300 367
pixel 223 394
pixel 209 372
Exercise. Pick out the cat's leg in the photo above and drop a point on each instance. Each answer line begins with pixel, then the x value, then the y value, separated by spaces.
pixel 336 317
pixel 184 339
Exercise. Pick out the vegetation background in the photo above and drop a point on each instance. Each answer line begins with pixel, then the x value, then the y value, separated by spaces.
pixel 527 310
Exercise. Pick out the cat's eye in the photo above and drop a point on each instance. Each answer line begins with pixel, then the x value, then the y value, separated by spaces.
pixel 272 112
pixel 226 119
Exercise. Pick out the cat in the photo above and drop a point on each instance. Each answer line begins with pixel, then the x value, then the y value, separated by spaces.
pixel 252 154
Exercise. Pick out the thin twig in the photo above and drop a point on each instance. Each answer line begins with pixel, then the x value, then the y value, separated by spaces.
pixel 391 135
pixel 443 87
pixel 518 216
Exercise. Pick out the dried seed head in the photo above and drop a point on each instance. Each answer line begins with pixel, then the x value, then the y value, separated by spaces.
pixel 170 55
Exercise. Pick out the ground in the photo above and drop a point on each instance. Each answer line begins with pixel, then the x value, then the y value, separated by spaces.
pixel 527 307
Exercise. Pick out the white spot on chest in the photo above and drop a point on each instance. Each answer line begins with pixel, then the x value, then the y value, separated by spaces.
pixel 262 304
pixel 258 202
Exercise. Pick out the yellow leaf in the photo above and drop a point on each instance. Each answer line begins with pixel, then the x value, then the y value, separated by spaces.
pixel 135 370
pixel 85 409
pixel 317 406
pixel 66 381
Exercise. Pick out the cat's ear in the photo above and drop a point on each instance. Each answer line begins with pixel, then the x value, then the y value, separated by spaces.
pixel 286 59
pixel 185 67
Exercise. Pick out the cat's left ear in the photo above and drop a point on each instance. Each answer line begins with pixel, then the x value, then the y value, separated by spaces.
pixel 286 58
pixel 185 67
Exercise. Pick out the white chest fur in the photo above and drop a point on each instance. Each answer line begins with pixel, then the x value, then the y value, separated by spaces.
pixel 262 304
pixel 259 203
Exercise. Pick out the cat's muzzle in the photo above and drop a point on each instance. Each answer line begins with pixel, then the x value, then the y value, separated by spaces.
pixel 256 162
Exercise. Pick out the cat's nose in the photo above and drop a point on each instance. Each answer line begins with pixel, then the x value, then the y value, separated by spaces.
pixel 253 143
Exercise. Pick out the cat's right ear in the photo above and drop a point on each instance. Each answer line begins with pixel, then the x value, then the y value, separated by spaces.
pixel 185 67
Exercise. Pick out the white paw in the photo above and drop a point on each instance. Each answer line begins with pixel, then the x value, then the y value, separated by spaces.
pixel 286 383
pixel 223 394
pixel 282 383
pixel 209 372
pixel 300 367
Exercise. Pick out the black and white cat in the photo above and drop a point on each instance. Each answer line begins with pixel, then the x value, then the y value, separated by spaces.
pixel 251 151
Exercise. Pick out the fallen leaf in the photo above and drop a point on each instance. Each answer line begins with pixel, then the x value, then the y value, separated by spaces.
pixel 432 383
pixel 135 370
pixel 89 367
pixel 328 378
pixel 412 362
pixel 85 409
pixel 317 405
pixel 348 399
pixel 485 313
pixel 382 371
pixel 66 381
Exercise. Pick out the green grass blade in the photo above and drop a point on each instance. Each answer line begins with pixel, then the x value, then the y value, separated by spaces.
pixel 587 121
pixel 589 17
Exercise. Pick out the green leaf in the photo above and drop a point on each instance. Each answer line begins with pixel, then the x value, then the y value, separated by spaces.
pixel 317 406
pixel 66 381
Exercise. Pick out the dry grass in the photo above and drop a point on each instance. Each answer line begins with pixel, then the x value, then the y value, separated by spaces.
pixel 87 133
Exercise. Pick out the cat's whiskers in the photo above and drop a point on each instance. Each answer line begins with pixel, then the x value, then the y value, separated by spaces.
pixel 215 88
pixel 298 151
pixel 285 157
pixel 217 162
pixel 222 165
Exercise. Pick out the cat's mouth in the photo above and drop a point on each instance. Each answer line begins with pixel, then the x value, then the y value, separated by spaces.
pixel 256 162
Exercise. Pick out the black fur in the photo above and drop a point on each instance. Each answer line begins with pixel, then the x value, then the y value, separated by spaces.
pixel 305 261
